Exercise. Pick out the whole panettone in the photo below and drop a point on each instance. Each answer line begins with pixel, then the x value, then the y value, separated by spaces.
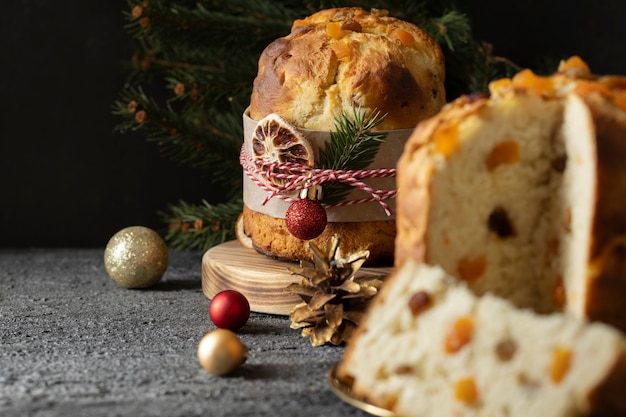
pixel 332 63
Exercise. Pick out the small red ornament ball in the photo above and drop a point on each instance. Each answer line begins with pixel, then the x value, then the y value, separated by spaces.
pixel 306 219
pixel 229 309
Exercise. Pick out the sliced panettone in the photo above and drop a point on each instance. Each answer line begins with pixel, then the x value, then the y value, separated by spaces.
pixel 521 193
pixel 429 346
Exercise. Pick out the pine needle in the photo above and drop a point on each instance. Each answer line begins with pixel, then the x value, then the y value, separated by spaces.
pixel 352 145
pixel 201 226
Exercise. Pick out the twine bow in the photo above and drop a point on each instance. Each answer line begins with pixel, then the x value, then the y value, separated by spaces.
pixel 296 177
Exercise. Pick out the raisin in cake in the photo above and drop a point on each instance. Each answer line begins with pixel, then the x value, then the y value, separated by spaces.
pixel 332 62
pixel 522 193
pixel 429 347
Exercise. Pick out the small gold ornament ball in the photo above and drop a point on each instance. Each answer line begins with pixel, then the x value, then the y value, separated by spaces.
pixel 136 257
pixel 221 351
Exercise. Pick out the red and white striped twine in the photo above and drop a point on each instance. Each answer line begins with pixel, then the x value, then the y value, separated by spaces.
pixel 297 177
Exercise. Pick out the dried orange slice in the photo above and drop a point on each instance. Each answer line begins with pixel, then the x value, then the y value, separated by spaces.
pixel 276 140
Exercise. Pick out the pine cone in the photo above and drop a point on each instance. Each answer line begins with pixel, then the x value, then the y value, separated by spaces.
pixel 334 298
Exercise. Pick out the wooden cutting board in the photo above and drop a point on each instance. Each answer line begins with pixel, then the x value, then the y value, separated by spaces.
pixel 261 279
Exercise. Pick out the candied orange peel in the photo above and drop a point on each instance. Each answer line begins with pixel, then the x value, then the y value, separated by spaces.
pixel 470 269
pixel 460 334
pixel 465 390
pixel 561 361
pixel 506 152
pixel 446 139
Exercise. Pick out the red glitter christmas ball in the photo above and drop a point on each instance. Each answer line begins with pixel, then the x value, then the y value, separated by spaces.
pixel 306 219
pixel 229 309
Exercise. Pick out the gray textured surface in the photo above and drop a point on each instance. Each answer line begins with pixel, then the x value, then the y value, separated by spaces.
pixel 75 343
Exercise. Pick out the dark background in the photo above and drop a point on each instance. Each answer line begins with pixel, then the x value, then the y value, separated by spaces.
pixel 67 179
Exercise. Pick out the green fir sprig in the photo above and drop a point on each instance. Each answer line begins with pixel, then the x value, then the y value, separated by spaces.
pixel 352 145
pixel 201 226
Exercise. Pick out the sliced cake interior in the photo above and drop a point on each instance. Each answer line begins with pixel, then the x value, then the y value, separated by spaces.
pixel 521 195
pixel 430 347
pixel 493 220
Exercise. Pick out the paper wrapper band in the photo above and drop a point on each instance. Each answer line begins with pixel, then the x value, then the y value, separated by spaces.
pixel 387 157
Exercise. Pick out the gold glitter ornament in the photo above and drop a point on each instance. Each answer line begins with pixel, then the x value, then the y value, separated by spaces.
pixel 221 351
pixel 136 257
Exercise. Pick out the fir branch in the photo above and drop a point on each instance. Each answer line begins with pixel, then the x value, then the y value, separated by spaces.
pixel 352 145
pixel 200 138
pixel 207 22
pixel 201 226
pixel 186 129
pixel 489 67
pixel 452 29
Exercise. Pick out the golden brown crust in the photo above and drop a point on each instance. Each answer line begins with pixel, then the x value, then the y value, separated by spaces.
pixel 607 283
pixel 608 399
pixel 271 237
pixel 606 286
pixel 610 124
pixel 310 78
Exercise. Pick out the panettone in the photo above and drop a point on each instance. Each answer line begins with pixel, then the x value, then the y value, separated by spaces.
pixel 522 193
pixel 333 62
pixel 429 347
pixel 510 269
